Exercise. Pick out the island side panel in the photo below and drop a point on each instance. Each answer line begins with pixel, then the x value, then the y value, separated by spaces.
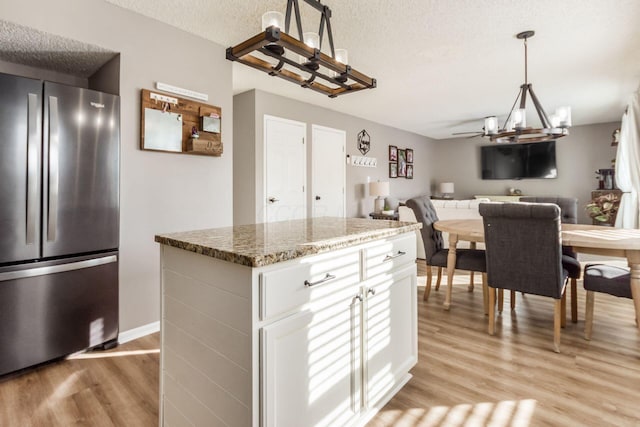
pixel 208 368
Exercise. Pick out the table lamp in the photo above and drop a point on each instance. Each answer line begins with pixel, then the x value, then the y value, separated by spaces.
pixel 380 189
pixel 447 190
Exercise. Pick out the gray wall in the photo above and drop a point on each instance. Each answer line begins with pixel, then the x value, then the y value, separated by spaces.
pixel 244 159
pixel 250 108
pixel 160 192
pixel 578 156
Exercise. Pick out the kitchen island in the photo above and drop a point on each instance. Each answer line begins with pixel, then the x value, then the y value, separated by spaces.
pixel 296 323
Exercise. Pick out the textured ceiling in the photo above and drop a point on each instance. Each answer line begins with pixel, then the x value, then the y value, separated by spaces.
pixel 443 65
pixel 23 45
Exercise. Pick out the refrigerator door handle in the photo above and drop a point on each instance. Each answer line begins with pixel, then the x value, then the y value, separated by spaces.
pixel 41 271
pixel 54 156
pixel 32 168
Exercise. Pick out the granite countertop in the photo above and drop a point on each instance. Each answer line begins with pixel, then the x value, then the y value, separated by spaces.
pixel 257 245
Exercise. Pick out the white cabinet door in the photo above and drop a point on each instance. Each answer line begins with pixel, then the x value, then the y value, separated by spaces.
pixel 390 330
pixel 311 367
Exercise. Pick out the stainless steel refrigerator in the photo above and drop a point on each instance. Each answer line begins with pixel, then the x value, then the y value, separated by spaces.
pixel 59 220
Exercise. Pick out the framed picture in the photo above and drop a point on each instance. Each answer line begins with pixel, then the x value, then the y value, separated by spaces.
pixel 393 153
pixel 409 171
pixel 393 170
pixel 402 163
pixel 409 155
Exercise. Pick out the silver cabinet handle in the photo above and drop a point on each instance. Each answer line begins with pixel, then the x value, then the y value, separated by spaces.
pixel 54 155
pixel 327 278
pixel 273 200
pixel 32 167
pixel 390 257
pixel 358 297
pixel 371 291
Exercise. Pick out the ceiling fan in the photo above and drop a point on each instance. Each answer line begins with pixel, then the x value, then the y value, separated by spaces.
pixel 491 121
pixel 472 133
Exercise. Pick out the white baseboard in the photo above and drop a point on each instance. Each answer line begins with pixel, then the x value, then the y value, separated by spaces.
pixel 138 332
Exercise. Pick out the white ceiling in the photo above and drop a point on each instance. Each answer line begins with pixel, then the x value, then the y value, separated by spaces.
pixel 27 46
pixel 443 65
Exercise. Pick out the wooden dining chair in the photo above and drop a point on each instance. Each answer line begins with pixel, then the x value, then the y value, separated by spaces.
pixel 568 215
pixel 522 244
pixel 607 279
pixel 436 254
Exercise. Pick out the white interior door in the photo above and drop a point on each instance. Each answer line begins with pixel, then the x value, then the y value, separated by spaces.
pixel 285 169
pixel 328 164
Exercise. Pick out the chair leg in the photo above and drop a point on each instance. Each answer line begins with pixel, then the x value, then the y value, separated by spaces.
pixel 427 286
pixel 439 278
pixel 557 314
pixel 472 245
pixel 500 300
pixel 588 316
pixel 492 311
pixel 513 300
pixel 574 301
pixel 563 308
pixel 485 294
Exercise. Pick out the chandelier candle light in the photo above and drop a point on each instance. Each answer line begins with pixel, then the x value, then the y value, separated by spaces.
pixel 380 189
pixel 515 127
pixel 312 64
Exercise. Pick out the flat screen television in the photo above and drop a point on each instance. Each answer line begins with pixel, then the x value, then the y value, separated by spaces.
pixel 519 161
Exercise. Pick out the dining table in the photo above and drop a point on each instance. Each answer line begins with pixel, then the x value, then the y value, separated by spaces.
pixel 583 238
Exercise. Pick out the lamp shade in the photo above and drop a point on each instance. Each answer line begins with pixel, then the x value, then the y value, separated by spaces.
pixel 447 188
pixel 564 117
pixel 273 18
pixel 311 39
pixel 379 188
pixel 342 55
pixel 490 125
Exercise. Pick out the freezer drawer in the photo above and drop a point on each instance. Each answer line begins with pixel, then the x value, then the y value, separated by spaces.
pixel 57 308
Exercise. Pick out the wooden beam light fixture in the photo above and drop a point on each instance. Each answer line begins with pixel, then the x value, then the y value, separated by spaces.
pixel 299 62
pixel 515 128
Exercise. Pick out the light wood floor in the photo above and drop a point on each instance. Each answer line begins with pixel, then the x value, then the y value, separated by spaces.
pixel 464 377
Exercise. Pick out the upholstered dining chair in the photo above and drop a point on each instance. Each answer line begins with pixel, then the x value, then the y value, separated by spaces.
pixel 436 254
pixel 522 244
pixel 607 279
pixel 568 215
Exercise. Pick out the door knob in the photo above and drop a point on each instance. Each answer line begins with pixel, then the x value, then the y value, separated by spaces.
pixel 273 200
pixel 317 197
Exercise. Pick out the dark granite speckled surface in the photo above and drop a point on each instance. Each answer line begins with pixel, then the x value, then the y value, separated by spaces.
pixel 257 245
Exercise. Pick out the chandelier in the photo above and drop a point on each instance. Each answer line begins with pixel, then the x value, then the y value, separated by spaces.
pixel 300 60
pixel 515 126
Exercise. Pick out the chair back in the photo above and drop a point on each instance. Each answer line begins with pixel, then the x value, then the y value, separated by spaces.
pixel 523 247
pixel 568 206
pixel 426 214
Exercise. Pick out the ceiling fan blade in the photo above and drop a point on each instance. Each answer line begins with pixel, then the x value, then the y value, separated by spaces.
pixel 466 133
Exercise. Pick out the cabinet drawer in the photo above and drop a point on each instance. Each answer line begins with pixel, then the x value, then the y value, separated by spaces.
pixel 318 280
pixel 390 254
